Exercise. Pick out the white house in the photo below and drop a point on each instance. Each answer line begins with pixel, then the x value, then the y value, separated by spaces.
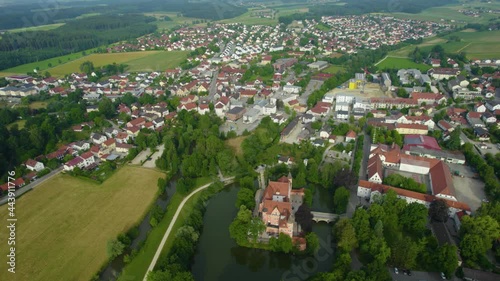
pixel 291 89
pixel 34 165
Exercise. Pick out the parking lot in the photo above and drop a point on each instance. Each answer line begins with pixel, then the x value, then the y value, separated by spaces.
pixel 239 127
pixel 467 189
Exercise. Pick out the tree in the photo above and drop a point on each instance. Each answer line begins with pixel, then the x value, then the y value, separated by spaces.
pixel 484 226
pixel 447 259
pixel 106 107
pixel 304 217
pixel 405 253
pixel 472 246
pixel 454 142
pixel 438 210
pixel 361 223
pixel 345 234
pixel 255 228
pixel 413 218
pixel 114 248
pixel 340 200
pixel 87 67
pixel 238 230
pixel 285 243
pixel 312 242
pixel 245 197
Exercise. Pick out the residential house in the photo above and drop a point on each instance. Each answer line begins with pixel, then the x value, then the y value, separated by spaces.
pixel 97 138
pixel 350 136
pixel 34 165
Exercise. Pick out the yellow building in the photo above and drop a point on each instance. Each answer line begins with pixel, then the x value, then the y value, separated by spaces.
pixel 353 85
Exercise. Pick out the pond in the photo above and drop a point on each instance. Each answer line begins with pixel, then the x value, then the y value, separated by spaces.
pixel 219 258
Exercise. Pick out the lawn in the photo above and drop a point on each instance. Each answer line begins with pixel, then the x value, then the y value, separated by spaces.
pixel 64 224
pixel 398 63
pixel 136 269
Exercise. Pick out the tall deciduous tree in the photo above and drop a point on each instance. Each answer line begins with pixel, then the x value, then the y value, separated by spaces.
pixel 438 210
pixel 340 200
pixel 304 217
pixel 345 234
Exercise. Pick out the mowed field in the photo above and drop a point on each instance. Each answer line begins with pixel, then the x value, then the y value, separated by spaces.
pixel 138 61
pixel 481 45
pixel 391 62
pixel 64 224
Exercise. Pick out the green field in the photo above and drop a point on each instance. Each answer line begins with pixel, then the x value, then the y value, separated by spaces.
pixel 65 223
pixel 44 65
pixel 138 61
pixel 20 124
pixel 136 269
pixel 333 69
pixel 450 14
pixel 247 17
pixel 391 62
pixel 481 45
pixel 175 20
pixel 159 61
pixel 37 28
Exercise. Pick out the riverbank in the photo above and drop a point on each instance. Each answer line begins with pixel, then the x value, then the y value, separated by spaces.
pixel 137 268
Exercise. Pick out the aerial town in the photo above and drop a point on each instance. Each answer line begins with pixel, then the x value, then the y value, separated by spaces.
pixel 289 116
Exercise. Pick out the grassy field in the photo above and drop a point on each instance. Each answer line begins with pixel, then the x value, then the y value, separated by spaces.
pixel 158 61
pixel 427 42
pixel 333 69
pixel 175 20
pixel 37 28
pixel 65 223
pixel 484 44
pixel 247 17
pixel 235 144
pixel 138 61
pixel 449 13
pixel 46 64
pixel 391 62
pixel 38 104
pixel 20 124
pixel 136 269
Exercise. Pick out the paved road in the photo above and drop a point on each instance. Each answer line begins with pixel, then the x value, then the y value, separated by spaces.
pixel 32 185
pixel 417 276
pixel 171 225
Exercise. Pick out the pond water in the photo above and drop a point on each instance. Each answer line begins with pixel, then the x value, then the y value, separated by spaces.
pixel 219 258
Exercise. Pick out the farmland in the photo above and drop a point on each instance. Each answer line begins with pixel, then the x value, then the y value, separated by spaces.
pixel 65 223
pixel 247 17
pixel 392 62
pixel 176 20
pixel 449 13
pixel 138 61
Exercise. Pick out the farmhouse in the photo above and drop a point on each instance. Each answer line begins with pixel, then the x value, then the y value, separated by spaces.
pixel 34 165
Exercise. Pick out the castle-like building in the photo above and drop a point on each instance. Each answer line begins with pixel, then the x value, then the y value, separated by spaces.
pixel 278 206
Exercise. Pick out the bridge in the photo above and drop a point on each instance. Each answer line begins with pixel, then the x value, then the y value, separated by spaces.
pixel 326 217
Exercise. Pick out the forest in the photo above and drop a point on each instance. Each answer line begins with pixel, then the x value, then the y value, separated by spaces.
pixel 19 16
pixel 78 35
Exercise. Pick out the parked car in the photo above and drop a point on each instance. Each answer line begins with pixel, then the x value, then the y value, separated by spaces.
pixel 396 270
pixel 443 276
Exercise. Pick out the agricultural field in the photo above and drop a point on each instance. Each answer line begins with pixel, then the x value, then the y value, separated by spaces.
pixel 427 42
pixel 65 223
pixel 247 17
pixel 138 61
pixel 46 64
pixel 176 19
pixel 159 61
pixel 449 13
pixel 481 45
pixel 391 62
